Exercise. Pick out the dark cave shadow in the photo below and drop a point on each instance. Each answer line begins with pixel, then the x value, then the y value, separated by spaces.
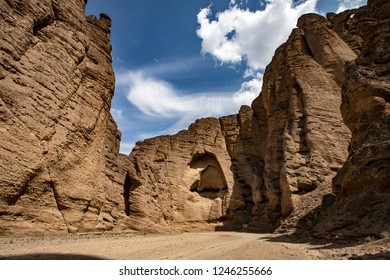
pixel 49 256
pixel 303 234
pixel 374 256
pixel 319 243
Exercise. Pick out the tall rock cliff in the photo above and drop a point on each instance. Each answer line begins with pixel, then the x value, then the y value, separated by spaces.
pixel 298 110
pixel 362 186
pixel 59 163
pixel 366 108
pixel 277 159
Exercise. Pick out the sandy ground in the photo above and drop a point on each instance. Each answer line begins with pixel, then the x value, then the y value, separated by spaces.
pixel 187 246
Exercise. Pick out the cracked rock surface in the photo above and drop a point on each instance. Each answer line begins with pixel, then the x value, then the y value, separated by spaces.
pixel 59 161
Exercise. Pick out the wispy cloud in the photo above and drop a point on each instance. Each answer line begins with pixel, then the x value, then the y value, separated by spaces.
pixel 350 4
pixel 239 34
pixel 117 113
pixel 164 69
pixel 158 98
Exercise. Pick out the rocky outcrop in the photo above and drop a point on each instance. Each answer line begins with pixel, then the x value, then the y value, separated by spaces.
pixel 282 154
pixel 366 107
pixel 59 165
pixel 182 181
pixel 362 186
pixel 298 109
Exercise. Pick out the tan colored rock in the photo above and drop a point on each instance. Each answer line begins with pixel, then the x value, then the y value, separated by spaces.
pixel 306 141
pixel 366 108
pixel 245 144
pixel 59 164
pixel 362 186
pixel 182 181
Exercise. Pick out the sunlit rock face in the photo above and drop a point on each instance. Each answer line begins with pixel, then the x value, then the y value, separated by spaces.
pixel 182 181
pixel 60 169
pixel 274 162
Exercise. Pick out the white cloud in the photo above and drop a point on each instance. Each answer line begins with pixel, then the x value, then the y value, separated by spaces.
pixel 239 34
pixel 155 97
pixel 350 4
pixel 116 113
pixel 158 99
pixel 126 147
pixel 249 90
pixel 177 66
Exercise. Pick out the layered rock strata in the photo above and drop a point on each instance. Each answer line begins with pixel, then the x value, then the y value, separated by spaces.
pixel 60 169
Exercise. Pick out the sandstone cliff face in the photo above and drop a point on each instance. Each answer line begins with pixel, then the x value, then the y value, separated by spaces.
pixel 182 181
pixel 59 164
pixel 298 109
pixel 366 108
pixel 282 154
pixel 363 184
pixel 285 150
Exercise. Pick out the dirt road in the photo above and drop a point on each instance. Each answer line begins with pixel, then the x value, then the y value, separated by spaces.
pixel 185 246
pixel 200 246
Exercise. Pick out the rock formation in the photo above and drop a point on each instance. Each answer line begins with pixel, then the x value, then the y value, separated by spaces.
pixel 59 164
pixel 362 186
pixel 366 108
pixel 289 145
pixel 284 151
pixel 180 181
pixel 294 160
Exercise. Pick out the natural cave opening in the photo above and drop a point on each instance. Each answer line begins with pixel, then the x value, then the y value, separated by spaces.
pixel 210 179
pixel 126 193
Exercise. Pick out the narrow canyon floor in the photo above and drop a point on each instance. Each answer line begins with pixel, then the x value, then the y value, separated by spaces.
pixel 185 246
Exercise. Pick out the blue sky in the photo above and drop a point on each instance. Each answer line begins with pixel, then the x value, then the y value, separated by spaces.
pixel 179 60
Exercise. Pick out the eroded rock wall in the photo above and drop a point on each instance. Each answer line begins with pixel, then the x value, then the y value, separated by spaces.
pixel 245 142
pixel 366 107
pixel 362 186
pixel 182 181
pixel 59 165
pixel 283 153
pixel 299 110
pixel 270 165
